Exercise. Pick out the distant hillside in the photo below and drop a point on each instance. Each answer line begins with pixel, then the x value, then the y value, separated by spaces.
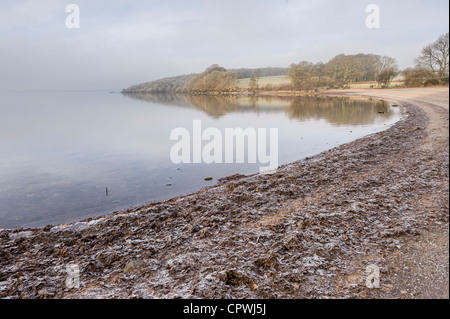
pixel 177 84
pixel 180 84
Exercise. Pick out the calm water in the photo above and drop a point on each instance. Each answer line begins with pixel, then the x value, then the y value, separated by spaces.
pixel 59 151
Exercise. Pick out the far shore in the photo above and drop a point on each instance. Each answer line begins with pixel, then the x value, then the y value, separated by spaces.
pixel 292 93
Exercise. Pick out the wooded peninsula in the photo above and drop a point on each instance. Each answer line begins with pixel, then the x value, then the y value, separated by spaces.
pixel 431 68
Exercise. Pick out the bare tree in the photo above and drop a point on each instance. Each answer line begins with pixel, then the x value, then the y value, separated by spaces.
pixel 386 63
pixel 434 57
pixel 417 76
pixel 387 69
pixel 213 79
pixel 385 76
pixel 254 81
pixel 303 76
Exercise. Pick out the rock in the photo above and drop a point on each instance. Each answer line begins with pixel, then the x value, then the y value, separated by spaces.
pixel 414 128
pixel 208 178
pixel 107 258
pixel 234 278
pixel 133 265
pixel 267 262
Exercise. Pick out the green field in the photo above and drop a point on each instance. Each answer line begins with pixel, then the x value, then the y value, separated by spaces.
pixel 263 81
pixel 284 79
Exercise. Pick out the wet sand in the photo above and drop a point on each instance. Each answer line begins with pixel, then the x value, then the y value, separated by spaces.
pixel 307 231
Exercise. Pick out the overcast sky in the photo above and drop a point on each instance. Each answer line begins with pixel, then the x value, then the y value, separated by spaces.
pixel 121 43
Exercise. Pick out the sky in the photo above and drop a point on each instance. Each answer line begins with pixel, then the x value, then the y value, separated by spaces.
pixel 120 43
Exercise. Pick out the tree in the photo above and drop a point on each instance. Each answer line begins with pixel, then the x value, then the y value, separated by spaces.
pixel 385 76
pixel 434 57
pixel 213 79
pixel 387 69
pixel 254 81
pixel 417 76
pixel 303 76
pixel 386 63
pixel 343 69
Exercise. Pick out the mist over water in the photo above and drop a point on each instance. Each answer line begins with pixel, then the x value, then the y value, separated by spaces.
pixel 60 151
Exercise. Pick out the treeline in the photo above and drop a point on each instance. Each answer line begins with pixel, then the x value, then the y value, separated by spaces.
pixel 304 76
pixel 248 73
pixel 341 70
pixel 432 68
pixel 178 84
pixel 432 65
pixel 213 79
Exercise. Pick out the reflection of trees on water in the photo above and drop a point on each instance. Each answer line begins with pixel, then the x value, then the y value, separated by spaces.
pixel 335 110
pixel 338 110
pixel 214 105
pixel 217 106
pixel 161 98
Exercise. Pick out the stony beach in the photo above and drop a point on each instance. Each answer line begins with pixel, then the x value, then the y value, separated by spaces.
pixel 307 231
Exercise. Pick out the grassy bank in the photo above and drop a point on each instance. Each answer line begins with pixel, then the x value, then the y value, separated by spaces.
pixel 276 81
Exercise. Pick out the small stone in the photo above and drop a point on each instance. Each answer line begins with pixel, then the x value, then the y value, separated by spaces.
pixel 208 178
pixel 415 128
pixel 133 265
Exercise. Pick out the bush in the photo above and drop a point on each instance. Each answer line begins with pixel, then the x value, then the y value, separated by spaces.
pixel 444 81
pixel 417 76
pixel 283 87
pixel 384 77
pixel 431 82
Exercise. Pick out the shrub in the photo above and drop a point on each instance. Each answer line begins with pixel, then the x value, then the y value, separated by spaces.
pixel 417 76
pixel 384 77
pixel 429 82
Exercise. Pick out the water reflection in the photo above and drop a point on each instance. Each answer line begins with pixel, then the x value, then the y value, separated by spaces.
pixel 334 110
pixel 339 110
pixel 60 151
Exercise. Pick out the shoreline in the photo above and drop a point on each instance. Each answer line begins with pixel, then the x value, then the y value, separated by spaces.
pixel 279 93
pixel 306 231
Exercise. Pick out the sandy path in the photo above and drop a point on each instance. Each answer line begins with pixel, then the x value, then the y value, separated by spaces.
pixel 420 269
